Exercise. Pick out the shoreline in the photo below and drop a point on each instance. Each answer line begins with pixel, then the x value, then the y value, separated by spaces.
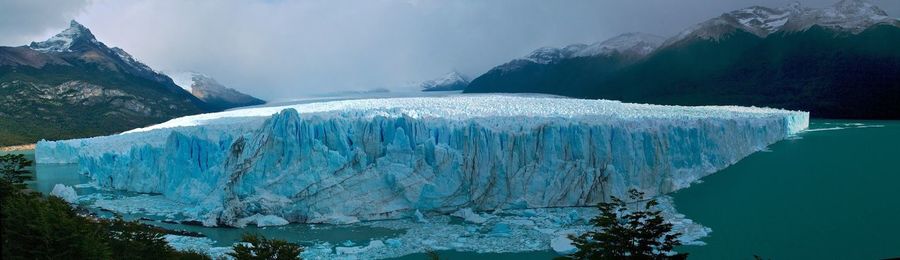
pixel 13 148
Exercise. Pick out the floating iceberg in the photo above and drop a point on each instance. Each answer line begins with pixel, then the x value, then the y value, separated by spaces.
pixel 65 193
pixel 387 158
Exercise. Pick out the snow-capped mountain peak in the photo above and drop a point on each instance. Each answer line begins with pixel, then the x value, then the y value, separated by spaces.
pixel 858 8
pixel 547 55
pixel 764 20
pixel 62 41
pixel 852 16
pixel 634 43
pixel 211 91
pixel 757 20
pixel 630 44
pixel 450 81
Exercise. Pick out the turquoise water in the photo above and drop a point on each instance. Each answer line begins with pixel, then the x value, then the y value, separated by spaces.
pixel 832 193
pixel 828 195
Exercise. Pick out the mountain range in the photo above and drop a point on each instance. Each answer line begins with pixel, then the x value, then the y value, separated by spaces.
pixel 73 86
pixel 836 62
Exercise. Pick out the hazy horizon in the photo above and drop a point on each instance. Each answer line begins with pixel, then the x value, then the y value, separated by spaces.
pixel 285 49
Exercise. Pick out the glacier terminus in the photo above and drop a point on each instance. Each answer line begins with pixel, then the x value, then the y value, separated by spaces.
pixel 375 159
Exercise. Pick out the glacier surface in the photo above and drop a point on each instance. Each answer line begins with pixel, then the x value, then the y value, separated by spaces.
pixel 371 159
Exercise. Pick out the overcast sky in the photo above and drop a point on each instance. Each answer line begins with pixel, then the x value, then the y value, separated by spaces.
pixel 281 49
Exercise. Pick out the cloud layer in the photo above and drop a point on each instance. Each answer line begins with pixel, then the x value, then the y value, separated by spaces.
pixel 282 49
pixel 22 21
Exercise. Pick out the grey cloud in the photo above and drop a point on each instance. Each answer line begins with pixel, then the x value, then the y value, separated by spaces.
pixel 22 21
pixel 282 49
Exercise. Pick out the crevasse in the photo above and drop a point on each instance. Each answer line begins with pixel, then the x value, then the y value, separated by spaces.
pixel 356 160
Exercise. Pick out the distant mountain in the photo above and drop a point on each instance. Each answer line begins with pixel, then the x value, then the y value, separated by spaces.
pixel 214 94
pixel 562 70
pixel 72 85
pixel 836 62
pixel 847 16
pixel 450 81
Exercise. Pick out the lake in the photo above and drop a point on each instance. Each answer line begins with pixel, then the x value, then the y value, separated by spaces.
pixel 834 193
pixel 830 193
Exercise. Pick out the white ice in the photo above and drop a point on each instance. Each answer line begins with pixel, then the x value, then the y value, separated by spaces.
pixel 64 192
pixel 370 159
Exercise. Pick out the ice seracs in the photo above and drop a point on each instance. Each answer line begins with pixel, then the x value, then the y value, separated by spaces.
pixel 388 158
pixel 65 193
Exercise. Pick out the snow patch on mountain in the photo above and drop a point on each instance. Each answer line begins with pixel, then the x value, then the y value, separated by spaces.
pixel 79 35
pixel 182 79
pixel 131 61
pixel 852 16
pixel 630 43
pixel 450 81
pixel 211 91
pixel 546 55
pixel 62 41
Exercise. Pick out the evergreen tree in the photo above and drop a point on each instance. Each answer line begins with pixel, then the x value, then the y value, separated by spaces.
pixel 256 247
pixel 36 227
pixel 627 234
pixel 132 240
pixel 13 169
pixel 432 255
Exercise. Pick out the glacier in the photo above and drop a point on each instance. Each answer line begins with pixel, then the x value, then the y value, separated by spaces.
pixel 374 159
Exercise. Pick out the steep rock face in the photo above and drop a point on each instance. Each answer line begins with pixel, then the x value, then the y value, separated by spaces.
pixel 378 159
pixel 836 62
pixel 212 92
pixel 72 85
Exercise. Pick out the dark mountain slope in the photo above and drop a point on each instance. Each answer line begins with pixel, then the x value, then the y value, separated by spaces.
pixel 836 62
pixel 831 74
pixel 74 86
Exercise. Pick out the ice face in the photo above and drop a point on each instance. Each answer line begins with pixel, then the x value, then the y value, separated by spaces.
pixel 347 161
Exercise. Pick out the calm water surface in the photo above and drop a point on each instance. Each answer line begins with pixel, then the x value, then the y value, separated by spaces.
pixel 832 194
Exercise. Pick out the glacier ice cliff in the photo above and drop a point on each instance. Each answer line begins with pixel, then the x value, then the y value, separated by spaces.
pixel 353 160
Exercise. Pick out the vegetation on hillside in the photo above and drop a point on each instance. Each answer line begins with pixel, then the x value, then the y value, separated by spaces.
pixel 829 73
pixel 256 247
pixel 39 227
pixel 36 108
